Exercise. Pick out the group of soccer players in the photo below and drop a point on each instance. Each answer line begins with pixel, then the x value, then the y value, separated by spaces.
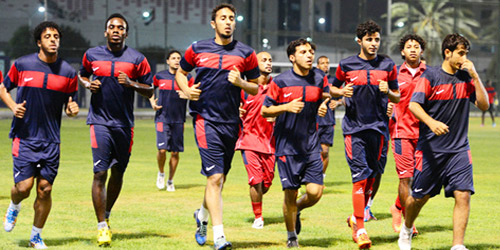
pixel 423 109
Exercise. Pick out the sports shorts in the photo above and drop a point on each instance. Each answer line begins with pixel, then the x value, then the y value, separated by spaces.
pixel 111 147
pixel 35 158
pixel 366 154
pixel 404 156
pixel 296 170
pixel 325 134
pixel 259 166
pixel 170 136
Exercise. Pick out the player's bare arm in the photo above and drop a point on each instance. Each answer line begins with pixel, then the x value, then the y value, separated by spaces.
pixel 481 94
pixel 192 93
pixel 141 88
pixel 154 103
pixel 323 108
pixel 436 126
pixel 17 108
pixel 72 108
pixel 346 91
pixel 94 85
pixel 250 86
pixel 393 95
pixel 295 106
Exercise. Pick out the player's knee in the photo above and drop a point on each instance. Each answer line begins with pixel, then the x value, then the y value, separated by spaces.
pixel 175 154
pixel 215 180
pixel 44 191
pixel 100 177
pixel 23 190
pixel 265 189
pixel 324 155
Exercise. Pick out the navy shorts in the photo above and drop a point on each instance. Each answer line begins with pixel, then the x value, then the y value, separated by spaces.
pixel 435 170
pixel 366 154
pixel 296 170
pixel 170 136
pixel 111 146
pixel 325 134
pixel 216 143
pixel 35 158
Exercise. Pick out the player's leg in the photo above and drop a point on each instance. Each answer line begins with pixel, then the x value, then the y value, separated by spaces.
pixel 20 191
pixel 115 184
pixel 161 157
pixel 290 215
pixel 325 148
pixel 254 169
pixel 175 144
pixel 313 177
pixel 173 163
pixel 482 118
pixel 42 206
pixel 492 116
pixel 289 169
pixel 460 216
pixel 99 194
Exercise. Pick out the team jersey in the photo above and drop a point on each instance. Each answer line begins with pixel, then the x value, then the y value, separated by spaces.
pixel 1 77
pixel 445 98
pixel 297 134
pixel 219 99
pixel 113 104
pixel 174 108
pixel 329 118
pixel 491 94
pixel 257 132
pixel 46 88
pixel 403 124
pixel 367 107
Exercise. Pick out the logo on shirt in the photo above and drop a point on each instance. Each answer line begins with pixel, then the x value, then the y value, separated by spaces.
pixel 287 95
pixel 354 78
pixel 402 172
pixel 210 168
pixel 417 190
pixel 203 59
pixel 439 92
pixel 402 83
pixel 95 69
pixel 27 79
pixel 248 102
pixel 163 84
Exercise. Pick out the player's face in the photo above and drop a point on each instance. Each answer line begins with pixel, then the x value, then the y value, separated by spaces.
pixel 224 23
pixel 370 44
pixel 116 30
pixel 457 57
pixel 49 41
pixel 324 64
pixel 303 57
pixel 173 61
pixel 412 52
pixel 265 62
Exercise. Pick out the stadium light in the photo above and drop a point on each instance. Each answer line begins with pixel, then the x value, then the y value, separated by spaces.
pixel 400 24
pixel 148 16
pixel 321 20
pixel 41 9
pixel 239 18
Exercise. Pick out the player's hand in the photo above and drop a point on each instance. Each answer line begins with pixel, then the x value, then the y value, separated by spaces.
pixel 438 128
pixel 295 106
pixel 348 90
pixel 323 108
pixel 124 80
pixel 234 77
pixel 19 110
pixel 334 104
pixel 193 92
pixel 469 67
pixel 383 86
pixel 390 109
pixel 242 110
pixel 154 104
pixel 181 94
pixel 95 86
pixel 72 108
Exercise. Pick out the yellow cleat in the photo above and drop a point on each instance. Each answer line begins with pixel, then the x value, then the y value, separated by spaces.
pixel 351 222
pixel 364 241
pixel 104 237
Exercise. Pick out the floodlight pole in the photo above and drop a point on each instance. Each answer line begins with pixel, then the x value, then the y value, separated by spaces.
pixel 389 26
pixel 46 12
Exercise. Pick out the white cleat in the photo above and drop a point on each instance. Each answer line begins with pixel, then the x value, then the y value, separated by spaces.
pixel 170 186
pixel 160 182
pixel 258 223
pixel 37 242
pixel 404 241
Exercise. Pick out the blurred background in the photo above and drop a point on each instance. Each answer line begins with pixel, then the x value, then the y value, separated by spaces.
pixel 157 26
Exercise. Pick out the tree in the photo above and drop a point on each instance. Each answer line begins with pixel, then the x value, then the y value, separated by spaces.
pixel 490 33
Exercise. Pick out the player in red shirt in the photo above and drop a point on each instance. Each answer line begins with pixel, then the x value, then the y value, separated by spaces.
pixel 256 140
pixel 491 97
pixel 403 126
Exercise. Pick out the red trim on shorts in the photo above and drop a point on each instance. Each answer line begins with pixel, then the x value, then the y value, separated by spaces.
pixel 470 156
pixel 283 158
pixel 15 147
pixel 381 147
pixel 93 141
pixel 200 132
pixel 348 146
pixel 159 126
pixel 131 139
pixel 418 160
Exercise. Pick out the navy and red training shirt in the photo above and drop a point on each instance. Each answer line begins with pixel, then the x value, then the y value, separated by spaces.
pixel 219 99
pixel 367 107
pixel 329 119
pixel 297 134
pixel 45 87
pixel 445 98
pixel 174 108
pixel 113 104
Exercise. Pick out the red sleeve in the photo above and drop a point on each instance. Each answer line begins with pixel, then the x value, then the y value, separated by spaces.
pixel 155 81
pixel 12 78
pixel 190 81
pixel 143 68
pixel 326 84
pixel 393 78
pixel 86 64
pixel 1 77
pixel 274 91
pixel 339 77
pixel 189 56
pixel 251 62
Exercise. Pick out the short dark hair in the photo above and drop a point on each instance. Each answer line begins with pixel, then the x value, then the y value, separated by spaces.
pixel 451 42
pixel 295 43
pixel 369 27
pixel 40 28
pixel 172 52
pixel 118 15
pixel 317 61
pixel 222 6
pixel 413 37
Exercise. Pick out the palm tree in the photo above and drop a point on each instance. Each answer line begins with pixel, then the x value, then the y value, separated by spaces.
pixel 432 20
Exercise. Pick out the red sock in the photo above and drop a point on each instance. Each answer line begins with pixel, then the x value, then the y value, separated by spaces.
pixel 358 202
pixel 398 203
pixel 257 209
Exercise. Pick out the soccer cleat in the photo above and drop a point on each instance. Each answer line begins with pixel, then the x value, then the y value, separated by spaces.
pixel 258 223
pixel 396 218
pixel 493 124
pixel 404 241
pixel 160 182
pixel 201 230
pixel 363 241
pixel 369 215
pixel 351 222
pixel 222 244
pixel 170 186
pixel 415 231
pixel 292 243
pixel 37 243
pixel 103 237
pixel 459 247
pixel 9 221
pixel 298 224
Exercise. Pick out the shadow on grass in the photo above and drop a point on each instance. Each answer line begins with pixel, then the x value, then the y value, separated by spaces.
pixel 253 244
pixel 385 239
pixel 92 240
pixel 319 242
pixel 269 220
pixel 332 190
pixel 480 246
pixel 336 183
pixel 187 186
pixel 382 216
pixel 4 197
pixel 433 228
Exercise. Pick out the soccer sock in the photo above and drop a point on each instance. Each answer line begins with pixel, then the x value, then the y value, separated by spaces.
pixel 405 229
pixel 324 176
pixel 456 247
pixel 203 214
pixel 257 209
pixel 35 231
pixel 15 206
pixel 170 182
pixel 102 224
pixel 107 214
pixel 292 235
pixel 358 202
pixel 161 174
pixel 218 232
pixel 361 231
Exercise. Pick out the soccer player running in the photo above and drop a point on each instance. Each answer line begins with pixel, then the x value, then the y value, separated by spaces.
pixel 403 125
pixel 491 97
pixel 169 119
pixel 256 140
pixel 221 62
pixel 45 84
pixel 370 83
pixel 295 99
pixel 443 158
pixel 118 71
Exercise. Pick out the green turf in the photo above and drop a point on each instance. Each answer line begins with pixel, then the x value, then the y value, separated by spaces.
pixel 145 218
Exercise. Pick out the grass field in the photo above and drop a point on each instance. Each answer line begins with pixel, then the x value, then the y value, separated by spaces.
pixel 145 218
